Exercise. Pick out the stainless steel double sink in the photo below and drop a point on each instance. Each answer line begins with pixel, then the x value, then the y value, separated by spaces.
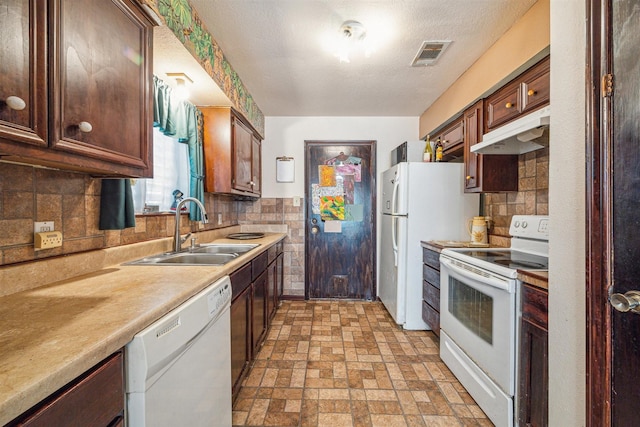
pixel 205 254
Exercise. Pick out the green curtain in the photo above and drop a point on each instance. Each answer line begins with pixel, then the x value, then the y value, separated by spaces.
pixel 179 119
pixel 116 205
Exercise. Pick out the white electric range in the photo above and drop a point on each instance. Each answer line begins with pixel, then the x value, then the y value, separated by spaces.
pixel 479 309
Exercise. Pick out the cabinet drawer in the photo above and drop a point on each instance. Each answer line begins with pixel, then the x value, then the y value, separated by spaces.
pixel 240 280
pixel 431 317
pixel 536 87
pixel 97 398
pixel 431 258
pixel 431 295
pixel 502 106
pixel 535 305
pixel 431 275
pixel 453 135
pixel 259 264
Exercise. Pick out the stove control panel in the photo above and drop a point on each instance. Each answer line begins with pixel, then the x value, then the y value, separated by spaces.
pixel 530 227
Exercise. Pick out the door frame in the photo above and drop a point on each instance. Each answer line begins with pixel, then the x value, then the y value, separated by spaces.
pixel 599 137
pixel 374 200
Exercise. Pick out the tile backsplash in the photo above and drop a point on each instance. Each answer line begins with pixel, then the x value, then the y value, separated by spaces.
pixel 532 197
pixel 72 201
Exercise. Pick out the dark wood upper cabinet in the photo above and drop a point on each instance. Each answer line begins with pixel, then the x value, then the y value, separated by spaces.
pixel 485 173
pixel 23 72
pixel 452 138
pixel 527 92
pixel 232 153
pixel 83 69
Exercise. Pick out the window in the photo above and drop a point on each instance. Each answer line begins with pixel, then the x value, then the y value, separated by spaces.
pixel 170 173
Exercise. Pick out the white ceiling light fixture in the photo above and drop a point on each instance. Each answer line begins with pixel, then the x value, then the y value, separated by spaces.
pixel 181 91
pixel 353 37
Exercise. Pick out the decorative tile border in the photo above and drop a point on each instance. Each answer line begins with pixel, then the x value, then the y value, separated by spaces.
pixel 185 23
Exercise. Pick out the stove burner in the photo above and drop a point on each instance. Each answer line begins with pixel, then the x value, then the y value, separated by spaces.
pixel 509 258
pixel 529 265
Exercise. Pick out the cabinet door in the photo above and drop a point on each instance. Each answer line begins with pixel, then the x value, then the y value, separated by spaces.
pixel 279 279
pixel 101 78
pixel 240 337
pixel 259 312
pixel 473 119
pixel 533 375
pixel 485 173
pixel 23 69
pixel 503 106
pixel 272 289
pixel 242 145
pixel 536 86
pixel 256 167
pixel 453 135
pixel 95 399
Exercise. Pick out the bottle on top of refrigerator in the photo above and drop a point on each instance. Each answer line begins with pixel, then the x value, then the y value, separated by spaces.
pixel 439 150
pixel 427 156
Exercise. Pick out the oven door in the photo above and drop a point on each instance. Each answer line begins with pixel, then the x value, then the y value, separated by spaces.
pixel 478 312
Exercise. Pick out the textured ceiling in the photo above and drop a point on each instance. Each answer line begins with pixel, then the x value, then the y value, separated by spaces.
pixel 276 48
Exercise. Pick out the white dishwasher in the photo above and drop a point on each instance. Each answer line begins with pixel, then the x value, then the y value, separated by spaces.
pixel 178 370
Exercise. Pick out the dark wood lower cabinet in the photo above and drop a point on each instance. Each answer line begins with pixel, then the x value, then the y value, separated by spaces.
pixel 533 375
pixel 94 399
pixel 257 288
pixel 431 289
pixel 259 312
pixel 240 350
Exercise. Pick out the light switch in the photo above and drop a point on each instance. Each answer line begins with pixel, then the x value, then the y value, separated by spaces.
pixel 296 200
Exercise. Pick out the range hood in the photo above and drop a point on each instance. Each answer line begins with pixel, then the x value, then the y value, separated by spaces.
pixel 518 137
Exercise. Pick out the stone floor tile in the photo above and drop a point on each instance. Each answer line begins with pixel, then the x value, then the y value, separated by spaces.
pixel 346 363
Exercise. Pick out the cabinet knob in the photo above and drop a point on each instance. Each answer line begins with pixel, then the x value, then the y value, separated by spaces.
pixel 85 127
pixel 16 103
pixel 251 183
pixel 531 92
pixel 508 105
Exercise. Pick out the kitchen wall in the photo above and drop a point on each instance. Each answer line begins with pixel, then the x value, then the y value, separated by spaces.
pixel 274 210
pixel 285 136
pixel 532 197
pixel 567 188
pixel 72 201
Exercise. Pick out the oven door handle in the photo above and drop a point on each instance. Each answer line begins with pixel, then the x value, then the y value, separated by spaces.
pixel 494 282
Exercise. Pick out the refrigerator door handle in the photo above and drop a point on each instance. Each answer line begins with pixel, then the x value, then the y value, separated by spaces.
pixel 394 241
pixel 394 196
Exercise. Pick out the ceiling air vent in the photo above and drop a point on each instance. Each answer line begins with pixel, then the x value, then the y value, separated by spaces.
pixel 429 53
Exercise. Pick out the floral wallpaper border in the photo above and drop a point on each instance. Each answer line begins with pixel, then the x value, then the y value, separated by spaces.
pixel 185 23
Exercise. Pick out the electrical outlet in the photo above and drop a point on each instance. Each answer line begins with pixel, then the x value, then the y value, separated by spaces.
pixel 39 227
pixel 47 240
pixel 219 219
pixel 296 201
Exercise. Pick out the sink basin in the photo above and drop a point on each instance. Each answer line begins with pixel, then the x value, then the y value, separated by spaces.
pixel 208 254
pixel 198 259
pixel 215 248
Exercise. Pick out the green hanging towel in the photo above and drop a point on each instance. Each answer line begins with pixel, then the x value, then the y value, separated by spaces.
pixel 116 205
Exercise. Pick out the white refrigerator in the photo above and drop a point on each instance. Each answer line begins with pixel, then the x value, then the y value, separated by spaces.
pixel 420 201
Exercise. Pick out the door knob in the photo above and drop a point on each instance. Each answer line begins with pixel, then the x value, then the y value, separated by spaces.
pixel 629 301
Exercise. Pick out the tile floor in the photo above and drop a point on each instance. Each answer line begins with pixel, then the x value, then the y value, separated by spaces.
pixel 345 363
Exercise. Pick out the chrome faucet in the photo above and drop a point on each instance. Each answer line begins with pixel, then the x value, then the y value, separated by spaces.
pixel 177 240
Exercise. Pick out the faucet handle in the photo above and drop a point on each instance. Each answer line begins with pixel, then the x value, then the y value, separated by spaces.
pixel 184 239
